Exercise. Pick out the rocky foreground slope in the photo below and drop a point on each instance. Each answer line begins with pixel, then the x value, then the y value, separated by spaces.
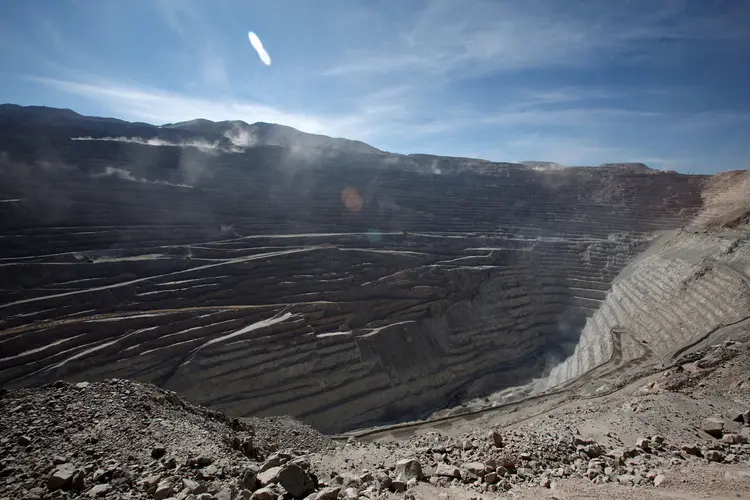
pixel 683 434
pixel 336 282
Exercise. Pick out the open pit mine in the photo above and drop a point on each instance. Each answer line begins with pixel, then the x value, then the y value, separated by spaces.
pixel 261 271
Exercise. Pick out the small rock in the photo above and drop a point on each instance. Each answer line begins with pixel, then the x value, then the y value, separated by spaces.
pixel 408 468
pixel 714 456
pixel 226 493
pixel 163 490
pixel 82 385
pixel 626 479
pixel 593 450
pixel 329 493
pixel 295 480
pixel 99 490
pixel 446 470
pixel 248 478
pixel 24 440
pixel 275 460
pixel 158 451
pixel 209 472
pixel 691 449
pixel 495 438
pixel 102 475
pixel 77 481
pixel 643 444
pixel 524 472
pixel 384 480
pixel 269 476
pixel 61 477
pixel 265 494
pixel 398 486
pixel 193 486
pixel 713 426
pixel 659 479
pixel 733 439
pixel 150 483
pixel 476 468
pixel 34 494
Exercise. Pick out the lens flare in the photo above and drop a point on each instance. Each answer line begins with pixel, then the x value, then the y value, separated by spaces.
pixel 351 199
pixel 258 46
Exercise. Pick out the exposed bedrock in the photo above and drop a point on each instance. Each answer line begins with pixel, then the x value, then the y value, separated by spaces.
pixel 347 289
pixel 685 287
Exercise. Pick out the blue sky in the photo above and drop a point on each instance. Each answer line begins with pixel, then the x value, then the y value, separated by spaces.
pixel 576 82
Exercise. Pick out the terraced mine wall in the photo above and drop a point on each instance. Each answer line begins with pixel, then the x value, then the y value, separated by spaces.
pixel 689 286
pixel 345 289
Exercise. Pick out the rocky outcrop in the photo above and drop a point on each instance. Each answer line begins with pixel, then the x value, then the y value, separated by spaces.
pixel 687 286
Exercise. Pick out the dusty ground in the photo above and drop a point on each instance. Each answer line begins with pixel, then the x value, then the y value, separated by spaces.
pixel 711 380
pixel 122 439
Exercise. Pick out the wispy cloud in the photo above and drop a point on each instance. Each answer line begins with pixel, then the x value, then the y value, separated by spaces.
pixel 179 15
pixel 456 39
pixel 159 106
pixel 214 70
pixel 371 117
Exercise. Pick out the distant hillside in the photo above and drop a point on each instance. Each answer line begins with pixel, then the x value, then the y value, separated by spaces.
pixel 545 165
pixel 268 134
pixel 628 166
pixel 236 133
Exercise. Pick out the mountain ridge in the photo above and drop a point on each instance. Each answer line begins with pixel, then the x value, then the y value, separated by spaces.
pixel 232 134
pixel 225 133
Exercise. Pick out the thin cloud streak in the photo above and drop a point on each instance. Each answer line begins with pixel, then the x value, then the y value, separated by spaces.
pixel 454 40
pixel 370 119
pixel 157 106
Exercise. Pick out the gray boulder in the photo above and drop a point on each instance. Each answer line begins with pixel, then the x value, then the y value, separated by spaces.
pixel 409 468
pixel 296 481
pixel 61 477
pixel 713 426
pixel 495 438
pixel 163 490
pixel 329 493
pixel 248 478
pixel 446 470
pixel 269 476
pixel 265 494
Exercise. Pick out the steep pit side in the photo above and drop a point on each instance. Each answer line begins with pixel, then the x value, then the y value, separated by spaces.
pixel 688 285
pixel 261 291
